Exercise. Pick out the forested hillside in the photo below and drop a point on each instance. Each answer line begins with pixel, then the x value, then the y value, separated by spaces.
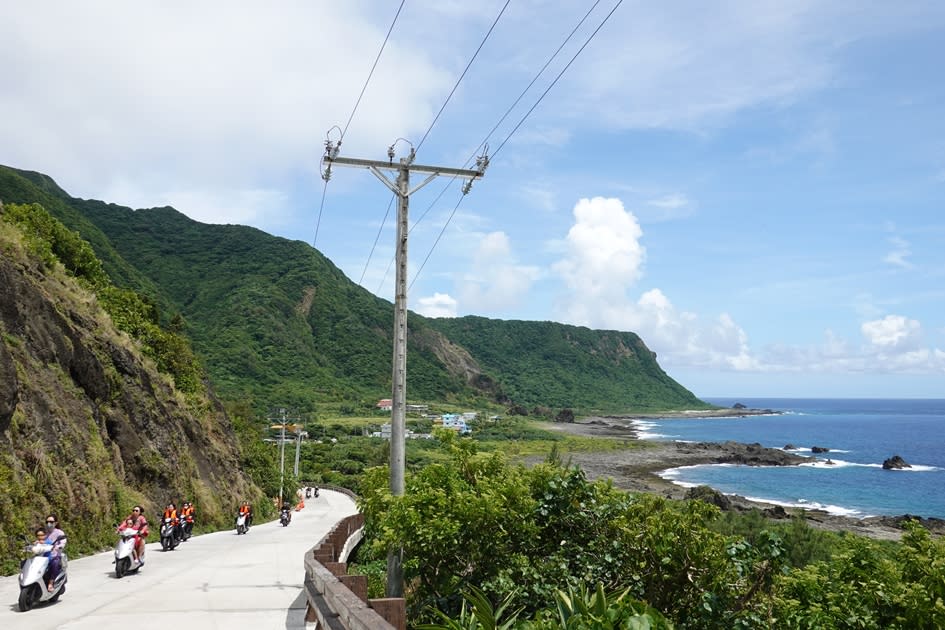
pixel 275 322
pixel 100 408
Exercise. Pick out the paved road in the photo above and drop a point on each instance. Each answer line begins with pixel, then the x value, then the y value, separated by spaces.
pixel 217 580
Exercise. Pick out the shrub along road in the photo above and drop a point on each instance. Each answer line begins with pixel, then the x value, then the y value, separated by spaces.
pixel 217 580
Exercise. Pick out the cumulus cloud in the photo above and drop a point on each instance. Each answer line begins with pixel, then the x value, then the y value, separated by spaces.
pixel 892 331
pixel 496 281
pixel 437 305
pixel 603 261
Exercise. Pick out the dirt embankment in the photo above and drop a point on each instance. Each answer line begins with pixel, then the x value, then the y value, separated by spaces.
pixel 637 469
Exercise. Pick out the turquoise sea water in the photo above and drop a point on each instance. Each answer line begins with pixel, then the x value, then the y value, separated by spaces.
pixel 860 434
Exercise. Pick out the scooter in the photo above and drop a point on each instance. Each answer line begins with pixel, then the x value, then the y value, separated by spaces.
pixel 186 528
pixel 285 517
pixel 32 583
pixel 241 526
pixel 308 493
pixel 170 536
pixel 315 492
pixel 125 559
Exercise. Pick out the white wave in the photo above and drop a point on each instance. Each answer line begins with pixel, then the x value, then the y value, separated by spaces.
pixel 644 435
pixel 915 468
pixel 830 463
pixel 804 504
pixel 807 449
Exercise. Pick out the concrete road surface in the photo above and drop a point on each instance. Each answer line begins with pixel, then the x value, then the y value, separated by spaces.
pixel 217 580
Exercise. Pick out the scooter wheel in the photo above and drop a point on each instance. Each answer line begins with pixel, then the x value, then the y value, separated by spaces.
pixel 29 596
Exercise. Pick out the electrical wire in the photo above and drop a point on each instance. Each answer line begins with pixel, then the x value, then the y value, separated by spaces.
pixel 371 73
pixel 459 80
pixel 563 70
pixel 510 109
pixel 321 206
pixel 436 242
pixel 376 239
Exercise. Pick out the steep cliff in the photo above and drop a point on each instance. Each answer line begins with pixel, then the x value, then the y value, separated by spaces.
pixel 88 426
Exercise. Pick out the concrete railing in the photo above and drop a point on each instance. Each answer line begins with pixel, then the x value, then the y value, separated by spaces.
pixel 337 600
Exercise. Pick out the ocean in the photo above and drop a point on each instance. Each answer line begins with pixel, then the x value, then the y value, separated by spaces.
pixel 860 434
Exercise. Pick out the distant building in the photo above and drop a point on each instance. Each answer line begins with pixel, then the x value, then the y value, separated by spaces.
pixel 453 421
pixel 385 404
pixel 469 416
pixel 416 408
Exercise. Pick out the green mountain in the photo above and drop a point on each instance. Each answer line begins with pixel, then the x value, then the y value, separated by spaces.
pixel 276 322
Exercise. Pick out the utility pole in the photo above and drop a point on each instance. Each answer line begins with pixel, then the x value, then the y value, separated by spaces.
pixel 282 458
pixel 401 188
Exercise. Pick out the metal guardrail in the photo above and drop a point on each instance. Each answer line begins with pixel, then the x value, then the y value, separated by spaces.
pixel 336 600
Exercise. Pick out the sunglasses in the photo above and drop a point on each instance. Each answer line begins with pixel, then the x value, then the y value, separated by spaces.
pixel 136 510
pixel 51 522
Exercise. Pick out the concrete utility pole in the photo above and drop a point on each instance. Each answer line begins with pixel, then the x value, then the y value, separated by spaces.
pixel 401 188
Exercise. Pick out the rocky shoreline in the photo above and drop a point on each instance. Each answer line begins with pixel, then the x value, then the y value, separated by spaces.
pixel 637 469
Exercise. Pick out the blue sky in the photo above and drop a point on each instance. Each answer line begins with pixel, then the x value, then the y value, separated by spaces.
pixel 756 188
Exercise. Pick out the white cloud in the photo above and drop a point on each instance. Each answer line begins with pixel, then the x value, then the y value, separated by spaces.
pixel 900 252
pixel 223 103
pixel 603 260
pixel 892 331
pixel 437 305
pixel 605 255
pixel 495 281
pixel 672 206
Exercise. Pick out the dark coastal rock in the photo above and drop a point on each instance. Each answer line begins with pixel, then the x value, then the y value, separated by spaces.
pixel 789 447
pixel 895 463
pixel 934 525
pixel 819 449
pixel 710 496
pixel 739 406
pixel 738 453
pixel 776 512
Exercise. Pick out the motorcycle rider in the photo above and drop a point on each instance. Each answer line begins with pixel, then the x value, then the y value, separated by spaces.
pixel 137 522
pixel 247 511
pixel 287 510
pixel 57 538
pixel 170 512
pixel 187 515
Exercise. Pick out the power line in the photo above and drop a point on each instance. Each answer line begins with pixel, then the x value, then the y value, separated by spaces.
pixel 458 81
pixel 563 70
pixel 437 241
pixel 329 147
pixel 509 111
pixel 371 73
pixel 512 107
pixel 376 239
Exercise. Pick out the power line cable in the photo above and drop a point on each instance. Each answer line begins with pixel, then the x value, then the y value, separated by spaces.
pixel 371 73
pixel 459 80
pixel 436 242
pixel 520 122
pixel 563 70
pixel 357 103
pixel 510 108
pixel 377 238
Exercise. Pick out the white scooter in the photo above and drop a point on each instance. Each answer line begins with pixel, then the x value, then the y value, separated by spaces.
pixel 125 559
pixel 241 526
pixel 32 583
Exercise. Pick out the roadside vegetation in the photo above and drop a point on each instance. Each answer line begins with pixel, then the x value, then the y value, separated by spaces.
pixel 489 544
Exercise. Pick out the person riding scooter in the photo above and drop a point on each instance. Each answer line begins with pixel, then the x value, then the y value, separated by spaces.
pixel 186 520
pixel 136 521
pixel 247 511
pixel 57 538
pixel 285 514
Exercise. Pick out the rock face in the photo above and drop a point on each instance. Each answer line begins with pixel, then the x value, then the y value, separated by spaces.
pixel 819 449
pixel 895 463
pixel 87 426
